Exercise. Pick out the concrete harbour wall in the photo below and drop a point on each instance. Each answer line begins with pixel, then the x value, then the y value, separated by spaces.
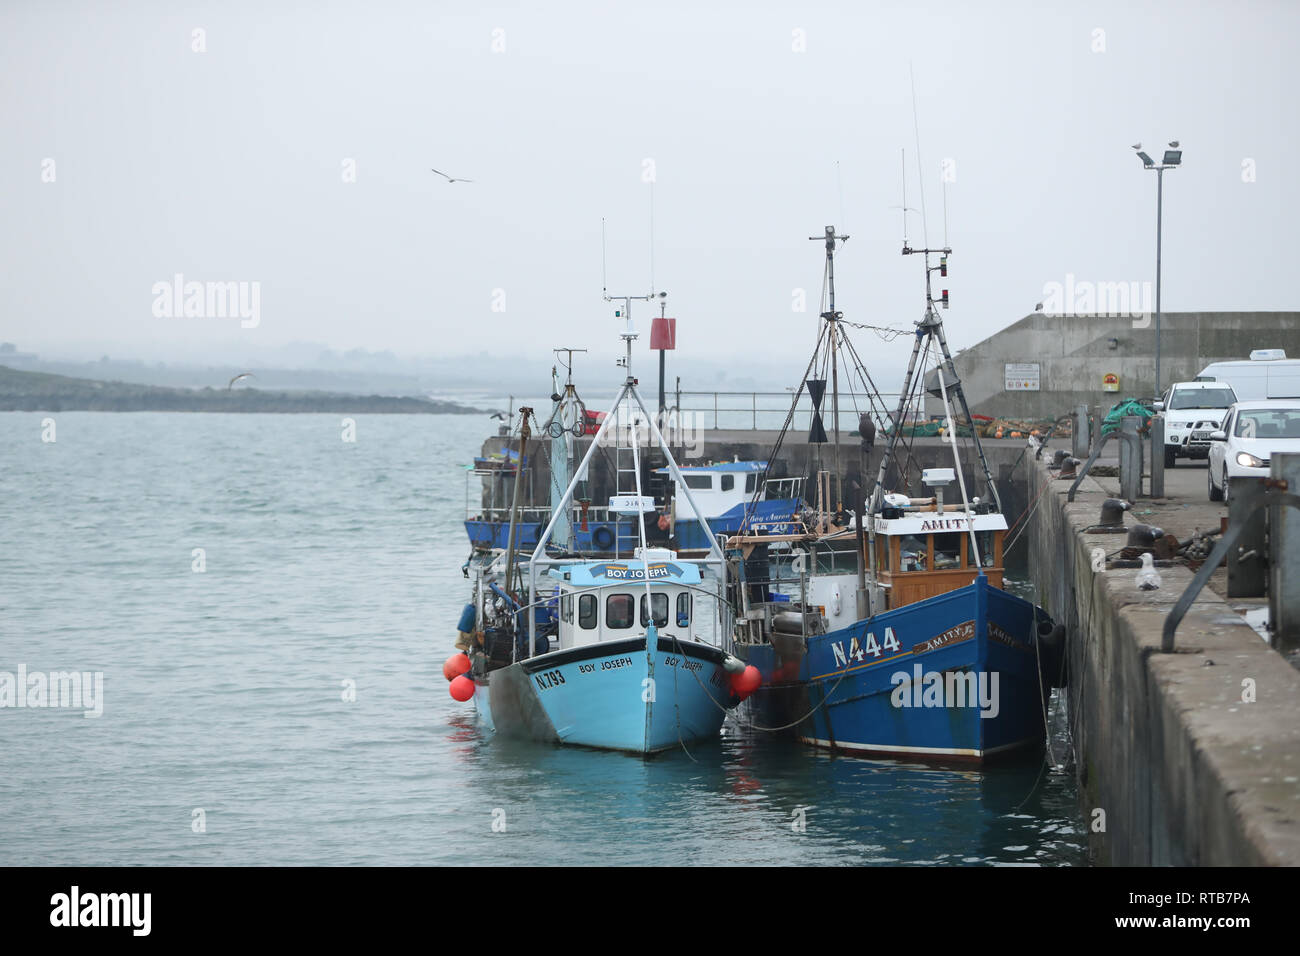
pixel 1185 771
pixel 1074 352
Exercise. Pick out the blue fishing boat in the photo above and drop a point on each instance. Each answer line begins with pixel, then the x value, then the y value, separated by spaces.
pixel 623 653
pixel 883 629
pixel 630 665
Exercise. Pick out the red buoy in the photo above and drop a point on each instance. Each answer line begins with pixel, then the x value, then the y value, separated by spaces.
pixel 456 665
pixel 746 682
pixel 462 688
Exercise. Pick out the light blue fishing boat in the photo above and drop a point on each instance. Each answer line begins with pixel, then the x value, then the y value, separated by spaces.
pixel 630 652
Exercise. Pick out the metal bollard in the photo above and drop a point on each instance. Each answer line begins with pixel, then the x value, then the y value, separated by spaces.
pixel 1130 459
pixel 1081 446
pixel 1247 570
pixel 1158 456
pixel 1284 559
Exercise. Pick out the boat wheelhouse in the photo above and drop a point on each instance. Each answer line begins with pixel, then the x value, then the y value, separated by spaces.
pixel 922 552
pixel 727 493
pixel 608 600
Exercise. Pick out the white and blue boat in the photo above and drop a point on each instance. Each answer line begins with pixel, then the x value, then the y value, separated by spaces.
pixel 631 665
pixel 725 491
pixel 625 653
pixel 888 633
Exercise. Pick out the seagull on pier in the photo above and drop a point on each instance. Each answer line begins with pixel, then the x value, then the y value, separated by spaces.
pixel 450 179
pixel 1148 578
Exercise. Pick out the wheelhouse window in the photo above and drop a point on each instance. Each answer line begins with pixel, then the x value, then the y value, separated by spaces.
pixel 728 482
pixel 947 551
pixel 588 611
pixel 661 609
pixel 566 608
pixel 751 482
pixel 619 609
pixel 684 609
pixel 699 482
pixel 912 553
pixel 984 539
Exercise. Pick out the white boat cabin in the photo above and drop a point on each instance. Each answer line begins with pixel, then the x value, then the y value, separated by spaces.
pixel 606 600
pixel 717 488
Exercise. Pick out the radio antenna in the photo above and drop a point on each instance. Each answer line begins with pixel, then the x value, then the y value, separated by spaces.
pixel 916 126
pixel 945 213
pixel 652 235
pixel 839 182
pixel 902 159
pixel 604 278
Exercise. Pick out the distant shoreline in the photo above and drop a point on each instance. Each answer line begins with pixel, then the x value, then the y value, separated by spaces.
pixel 42 392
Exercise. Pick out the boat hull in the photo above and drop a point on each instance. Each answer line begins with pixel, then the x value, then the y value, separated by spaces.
pixel 611 695
pixel 597 538
pixel 954 677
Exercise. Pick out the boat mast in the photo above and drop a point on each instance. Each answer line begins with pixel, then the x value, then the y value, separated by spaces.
pixel 931 326
pixel 524 414
pixel 831 317
pixel 564 416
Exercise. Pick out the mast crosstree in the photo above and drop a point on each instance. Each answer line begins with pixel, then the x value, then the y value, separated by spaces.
pixel 930 327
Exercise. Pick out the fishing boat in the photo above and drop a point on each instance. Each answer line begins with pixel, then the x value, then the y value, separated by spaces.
pixel 883 628
pixel 509 475
pixel 724 491
pixel 630 653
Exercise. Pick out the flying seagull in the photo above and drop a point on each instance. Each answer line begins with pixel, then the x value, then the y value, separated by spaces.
pixel 450 179
pixel 238 377
pixel 1174 144
pixel 1137 145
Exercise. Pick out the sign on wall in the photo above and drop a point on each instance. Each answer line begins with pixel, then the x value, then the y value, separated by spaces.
pixel 1022 377
pixel 1110 382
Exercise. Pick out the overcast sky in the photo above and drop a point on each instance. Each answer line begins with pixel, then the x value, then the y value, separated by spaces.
pixel 231 163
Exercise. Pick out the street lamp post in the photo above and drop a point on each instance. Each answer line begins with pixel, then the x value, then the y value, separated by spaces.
pixel 1173 157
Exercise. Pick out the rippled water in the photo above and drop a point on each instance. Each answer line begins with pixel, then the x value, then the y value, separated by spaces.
pixel 331 565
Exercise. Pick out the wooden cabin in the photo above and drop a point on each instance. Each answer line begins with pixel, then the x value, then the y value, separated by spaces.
pixel 923 552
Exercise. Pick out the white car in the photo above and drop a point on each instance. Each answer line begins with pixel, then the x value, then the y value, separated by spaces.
pixel 1192 410
pixel 1251 435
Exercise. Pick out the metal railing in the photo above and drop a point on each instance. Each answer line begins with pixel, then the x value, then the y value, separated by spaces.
pixel 768 410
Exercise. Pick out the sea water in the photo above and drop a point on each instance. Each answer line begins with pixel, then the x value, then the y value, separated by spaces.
pixel 268 605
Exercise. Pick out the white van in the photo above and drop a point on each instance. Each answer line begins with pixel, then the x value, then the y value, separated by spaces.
pixel 1268 373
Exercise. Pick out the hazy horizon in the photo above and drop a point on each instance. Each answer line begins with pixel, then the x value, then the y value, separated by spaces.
pixel 290 150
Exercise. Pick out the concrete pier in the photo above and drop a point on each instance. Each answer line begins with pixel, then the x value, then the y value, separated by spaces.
pixel 1190 758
